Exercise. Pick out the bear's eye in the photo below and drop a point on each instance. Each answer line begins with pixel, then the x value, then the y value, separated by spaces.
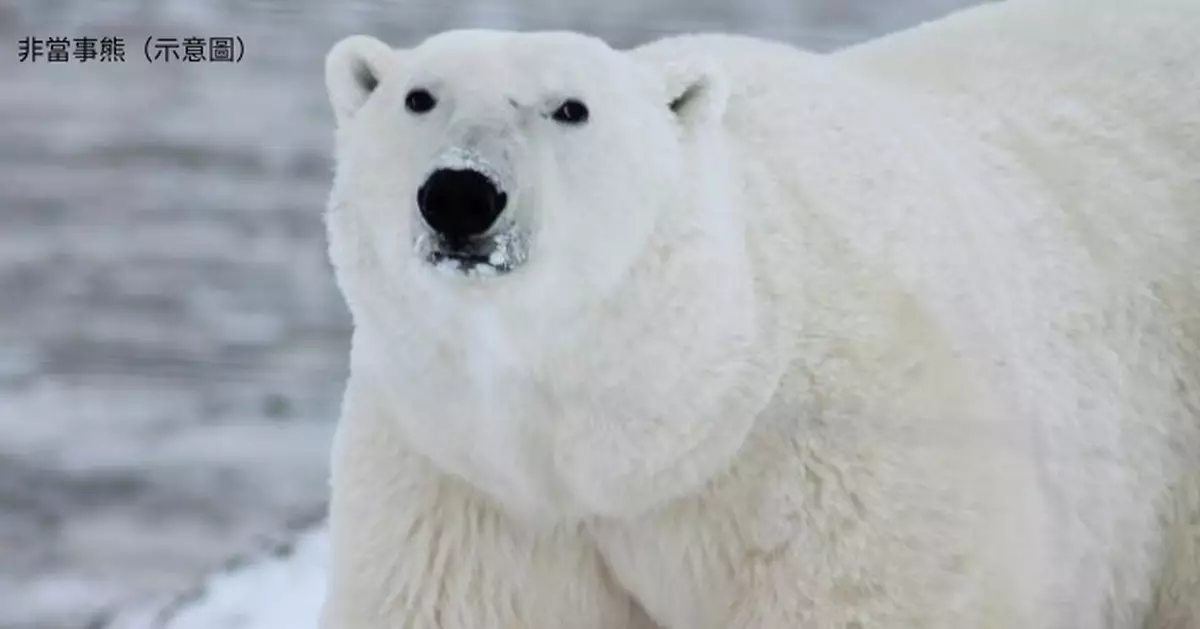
pixel 419 101
pixel 571 112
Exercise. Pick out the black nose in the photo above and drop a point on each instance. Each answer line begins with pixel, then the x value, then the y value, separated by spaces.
pixel 460 203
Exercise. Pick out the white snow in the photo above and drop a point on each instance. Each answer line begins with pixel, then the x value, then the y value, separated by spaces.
pixel 275 592
pixel 459 158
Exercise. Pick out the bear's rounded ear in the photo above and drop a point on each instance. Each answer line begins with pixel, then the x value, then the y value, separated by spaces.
pixel 697 91
pixel 353 69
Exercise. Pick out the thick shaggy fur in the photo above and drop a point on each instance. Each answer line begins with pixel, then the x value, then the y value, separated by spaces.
pixel 903 336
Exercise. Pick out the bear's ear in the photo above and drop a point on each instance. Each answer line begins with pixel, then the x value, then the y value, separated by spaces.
pixel 353 69
pixel 697 91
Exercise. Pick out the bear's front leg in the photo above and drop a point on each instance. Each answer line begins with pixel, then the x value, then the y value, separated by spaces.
pixel 414 549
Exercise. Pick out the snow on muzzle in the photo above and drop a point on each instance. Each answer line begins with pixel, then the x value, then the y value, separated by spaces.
pixel 462 202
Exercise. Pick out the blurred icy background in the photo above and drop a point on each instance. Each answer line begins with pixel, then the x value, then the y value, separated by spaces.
pixel 171 342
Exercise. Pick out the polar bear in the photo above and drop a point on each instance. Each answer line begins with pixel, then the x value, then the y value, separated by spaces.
pixel 718 334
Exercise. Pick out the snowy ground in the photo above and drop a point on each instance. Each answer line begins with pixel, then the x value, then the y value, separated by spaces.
pixel 171 343
pixel 281 590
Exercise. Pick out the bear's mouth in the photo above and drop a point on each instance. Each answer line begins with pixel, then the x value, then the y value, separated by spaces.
pixel 492 255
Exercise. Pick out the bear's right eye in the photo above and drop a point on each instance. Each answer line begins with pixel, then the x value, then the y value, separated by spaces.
pixel 571 112
pixel 419 101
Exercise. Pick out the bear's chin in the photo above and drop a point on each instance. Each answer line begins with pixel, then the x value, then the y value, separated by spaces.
pixel 493 255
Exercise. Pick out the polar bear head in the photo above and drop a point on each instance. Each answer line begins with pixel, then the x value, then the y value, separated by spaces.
pixel 529 224
pixel 480 154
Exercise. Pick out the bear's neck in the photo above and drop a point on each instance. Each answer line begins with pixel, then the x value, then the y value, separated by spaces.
pixel 641 400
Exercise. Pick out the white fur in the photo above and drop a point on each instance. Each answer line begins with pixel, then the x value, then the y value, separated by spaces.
pixel 903 336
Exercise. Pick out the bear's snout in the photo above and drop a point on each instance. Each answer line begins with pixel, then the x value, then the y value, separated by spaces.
pixel 459 204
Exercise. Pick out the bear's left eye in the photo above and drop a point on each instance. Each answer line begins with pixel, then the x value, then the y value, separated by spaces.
pixel 571 111
pixel 419 101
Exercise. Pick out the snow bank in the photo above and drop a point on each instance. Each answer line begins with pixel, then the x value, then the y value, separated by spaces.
pixel 280 591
